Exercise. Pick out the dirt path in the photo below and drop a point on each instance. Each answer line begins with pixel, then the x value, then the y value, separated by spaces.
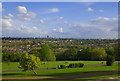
pixel 86 75
pixel 108 79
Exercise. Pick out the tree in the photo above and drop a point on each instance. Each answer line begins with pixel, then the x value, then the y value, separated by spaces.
pixel 70 54
pixel 29 62
pixel 117 51
pixel 88 53
pixel 6 57
pixel 110 51
pixel 84 54
pixel 98 54
pixel 46 53
pixel 110 60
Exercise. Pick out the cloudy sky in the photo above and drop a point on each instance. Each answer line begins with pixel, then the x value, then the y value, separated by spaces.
pixel 60 20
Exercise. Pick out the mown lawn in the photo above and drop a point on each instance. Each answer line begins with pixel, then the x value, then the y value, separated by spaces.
pixel 13 65
pixel 63 72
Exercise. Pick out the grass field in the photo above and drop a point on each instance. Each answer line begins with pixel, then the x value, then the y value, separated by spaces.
pixel 13 65
pixel 63 72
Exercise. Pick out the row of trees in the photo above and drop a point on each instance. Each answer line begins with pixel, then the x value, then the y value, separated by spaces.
pixel 71 54
pixel 45 54
pixel 88 53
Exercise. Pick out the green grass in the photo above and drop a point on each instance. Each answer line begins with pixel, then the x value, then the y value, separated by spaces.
pixel 63 72
pixel 13 65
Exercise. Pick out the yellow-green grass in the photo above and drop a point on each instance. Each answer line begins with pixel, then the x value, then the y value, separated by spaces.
pixel 62 72
pixel 54 64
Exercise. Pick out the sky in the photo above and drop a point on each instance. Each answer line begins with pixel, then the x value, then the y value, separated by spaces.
pixel 82 20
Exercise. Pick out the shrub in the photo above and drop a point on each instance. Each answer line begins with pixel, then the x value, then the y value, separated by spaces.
pixel 62 66
pixel 75 65
pixel 110 59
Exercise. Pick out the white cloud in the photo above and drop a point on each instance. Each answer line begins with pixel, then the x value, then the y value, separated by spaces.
pixel 88 3
pixel 0 7
pixel 9 16
pixel 61 29
pixel 25 29
pixel 101 27
pixel 30 30
pixel 22 9
pixel 6 23
pixel 90 9
pixel 27 17
pixel 54 29
pixel 52 10
pixel 42 21
pixel 59 18
pixel 24 15
pixel 101 10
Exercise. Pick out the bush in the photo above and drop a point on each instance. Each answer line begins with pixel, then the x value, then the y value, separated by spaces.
pixel 110 59
pixel 62 66
pixel 75 65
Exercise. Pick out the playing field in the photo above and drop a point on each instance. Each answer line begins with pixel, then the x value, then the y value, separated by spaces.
pixel 54 64
pixel 62 72
pixel 84 71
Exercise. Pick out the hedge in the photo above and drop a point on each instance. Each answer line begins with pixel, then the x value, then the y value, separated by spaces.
pixel 76 65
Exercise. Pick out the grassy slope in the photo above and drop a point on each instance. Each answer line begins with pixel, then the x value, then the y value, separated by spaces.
pixel 13 65
pixel 62 72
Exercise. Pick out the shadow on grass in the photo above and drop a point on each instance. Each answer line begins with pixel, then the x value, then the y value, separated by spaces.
pixel 48 80
pixel 59 74
pixel 12 74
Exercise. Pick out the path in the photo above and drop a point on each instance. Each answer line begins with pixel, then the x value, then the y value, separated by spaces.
pixel 108 79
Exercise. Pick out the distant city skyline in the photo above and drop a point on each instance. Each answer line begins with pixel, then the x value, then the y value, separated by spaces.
pixel 86 20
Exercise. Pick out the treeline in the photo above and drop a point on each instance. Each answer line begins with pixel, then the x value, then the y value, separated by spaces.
pixel 44 53
pixel 70 54
pixel 87 54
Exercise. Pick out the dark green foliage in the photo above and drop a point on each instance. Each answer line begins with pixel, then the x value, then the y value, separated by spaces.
pixel 84 54
pixel 76 65
pixel 109 60
pixel 11 56
pixel 69 54
pixel 117 51
pixel 62 66
pixel 44 53
pixel 110 51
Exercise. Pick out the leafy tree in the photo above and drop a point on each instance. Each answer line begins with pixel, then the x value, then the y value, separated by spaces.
pixel 46 53
pixel 88 53
pixel 117 51
pixel 98 54
pixel 110 51
pixel 70 54
pixel 6 57
pixel 29 62
pixel 110 60
pixel 84 54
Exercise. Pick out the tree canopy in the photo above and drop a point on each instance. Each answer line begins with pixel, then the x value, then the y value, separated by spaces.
pixel 29 62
